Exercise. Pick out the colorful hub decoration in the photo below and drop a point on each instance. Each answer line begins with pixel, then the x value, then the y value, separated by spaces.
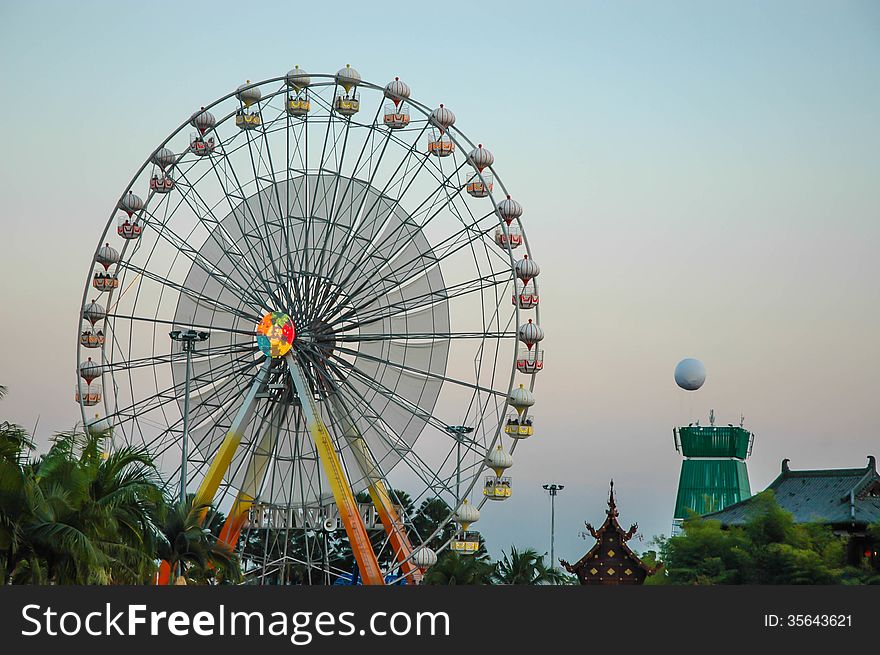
pixel 275 334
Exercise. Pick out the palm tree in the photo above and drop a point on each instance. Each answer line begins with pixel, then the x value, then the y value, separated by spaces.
pixel 454 569
pixel 188 545
pixel 93 516
pixel 525 567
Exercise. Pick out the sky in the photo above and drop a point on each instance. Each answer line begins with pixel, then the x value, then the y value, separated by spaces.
pixel 701 179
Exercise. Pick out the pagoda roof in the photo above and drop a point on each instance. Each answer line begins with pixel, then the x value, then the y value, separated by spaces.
pixel 611 524
pixel 831 496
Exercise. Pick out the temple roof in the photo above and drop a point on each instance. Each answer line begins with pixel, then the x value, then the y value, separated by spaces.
pixel 832 496
pixel 611 524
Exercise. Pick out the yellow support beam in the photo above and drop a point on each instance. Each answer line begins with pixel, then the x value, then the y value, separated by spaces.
pixel 223 458
pixel 349 514
pixel 392 523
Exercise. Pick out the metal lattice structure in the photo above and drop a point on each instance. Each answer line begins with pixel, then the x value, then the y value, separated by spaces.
pixel 350 257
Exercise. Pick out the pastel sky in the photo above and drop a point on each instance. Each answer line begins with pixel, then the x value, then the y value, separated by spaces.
pixel 700 179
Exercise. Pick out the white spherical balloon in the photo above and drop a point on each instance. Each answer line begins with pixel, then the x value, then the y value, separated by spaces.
pixel 690 374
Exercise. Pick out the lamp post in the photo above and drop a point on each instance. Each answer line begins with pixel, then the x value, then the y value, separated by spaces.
pixel 188 340
pixel 459 433
pixel 553 489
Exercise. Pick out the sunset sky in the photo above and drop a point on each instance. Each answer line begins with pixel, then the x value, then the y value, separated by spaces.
pixel 701 179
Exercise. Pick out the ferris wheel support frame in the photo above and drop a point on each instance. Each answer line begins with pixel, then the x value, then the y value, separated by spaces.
pixel 351 518
pixel 223 458
pixel 391 521
pixel 254 476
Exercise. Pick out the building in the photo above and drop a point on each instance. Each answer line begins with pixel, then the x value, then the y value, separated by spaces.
pixel 610 561
pixel 713 473
pixel 848 500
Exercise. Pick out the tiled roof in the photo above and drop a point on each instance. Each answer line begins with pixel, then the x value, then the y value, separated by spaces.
pixel 834 496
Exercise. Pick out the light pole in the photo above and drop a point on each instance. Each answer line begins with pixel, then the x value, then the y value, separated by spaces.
pixel 458 433
pixel 188 342
pixel 553 489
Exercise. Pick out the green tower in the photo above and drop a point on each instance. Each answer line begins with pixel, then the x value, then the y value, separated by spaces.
pixel 713 473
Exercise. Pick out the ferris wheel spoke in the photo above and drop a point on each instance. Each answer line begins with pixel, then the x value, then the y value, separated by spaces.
pixel 171 394
pixel 349 235
pixel 385 216
pixel 279 213
pixel 333 209
pixel 257 237
pixel 427 300
pixel 200 298
pixel 203 326
pixel 227 243
pixel 208 267
pixel 389 394
pixel 155 360
pixel 398 283
pixel 452 247
pixel 412 369
pixel 382 241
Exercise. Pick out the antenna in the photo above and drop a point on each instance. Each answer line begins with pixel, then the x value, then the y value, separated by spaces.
pixel 712 418
pixel 742 419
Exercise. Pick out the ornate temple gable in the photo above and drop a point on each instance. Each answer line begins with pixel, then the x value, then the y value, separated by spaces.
pixel 610 561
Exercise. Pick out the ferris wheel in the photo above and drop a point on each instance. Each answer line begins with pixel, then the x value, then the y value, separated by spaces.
pixel 326 296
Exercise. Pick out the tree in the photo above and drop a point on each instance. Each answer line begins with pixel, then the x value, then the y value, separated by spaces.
pixel 189 546
pixel 454 569
pixel 525 567
pixel 769 549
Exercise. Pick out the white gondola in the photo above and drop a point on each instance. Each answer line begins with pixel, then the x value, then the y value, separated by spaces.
pixel 480 158
pixel 480 188
pixel 163 158
pixel 94 312
pixel 530 361
pixel 496 488
pixel 248 94
pixel 88 394
pixel 91 338
pixel 203 120
pixel 397 91
pixel 443 118
pixel 509 238
pixel 107 256
pixel 509 210
pixel 519 427
pixel 161 183
pixel 298 79
pixel 499 461
pixel 104 281
pixel 131 203
pixel 424 557
pixel 440 145
pixel 201 145
pixel 89 370
pixel 299 105
pixel 128 229
pixel 527 269
pixel 526 296
pixel 396 117
pixel 466 541
pixel 530 333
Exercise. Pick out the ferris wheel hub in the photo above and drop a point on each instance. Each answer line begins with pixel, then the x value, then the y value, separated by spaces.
pixel 275 334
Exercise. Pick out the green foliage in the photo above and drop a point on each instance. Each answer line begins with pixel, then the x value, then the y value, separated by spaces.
pixel 454 569
pixel 526 567
pixel 769 549
pixel 80 515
